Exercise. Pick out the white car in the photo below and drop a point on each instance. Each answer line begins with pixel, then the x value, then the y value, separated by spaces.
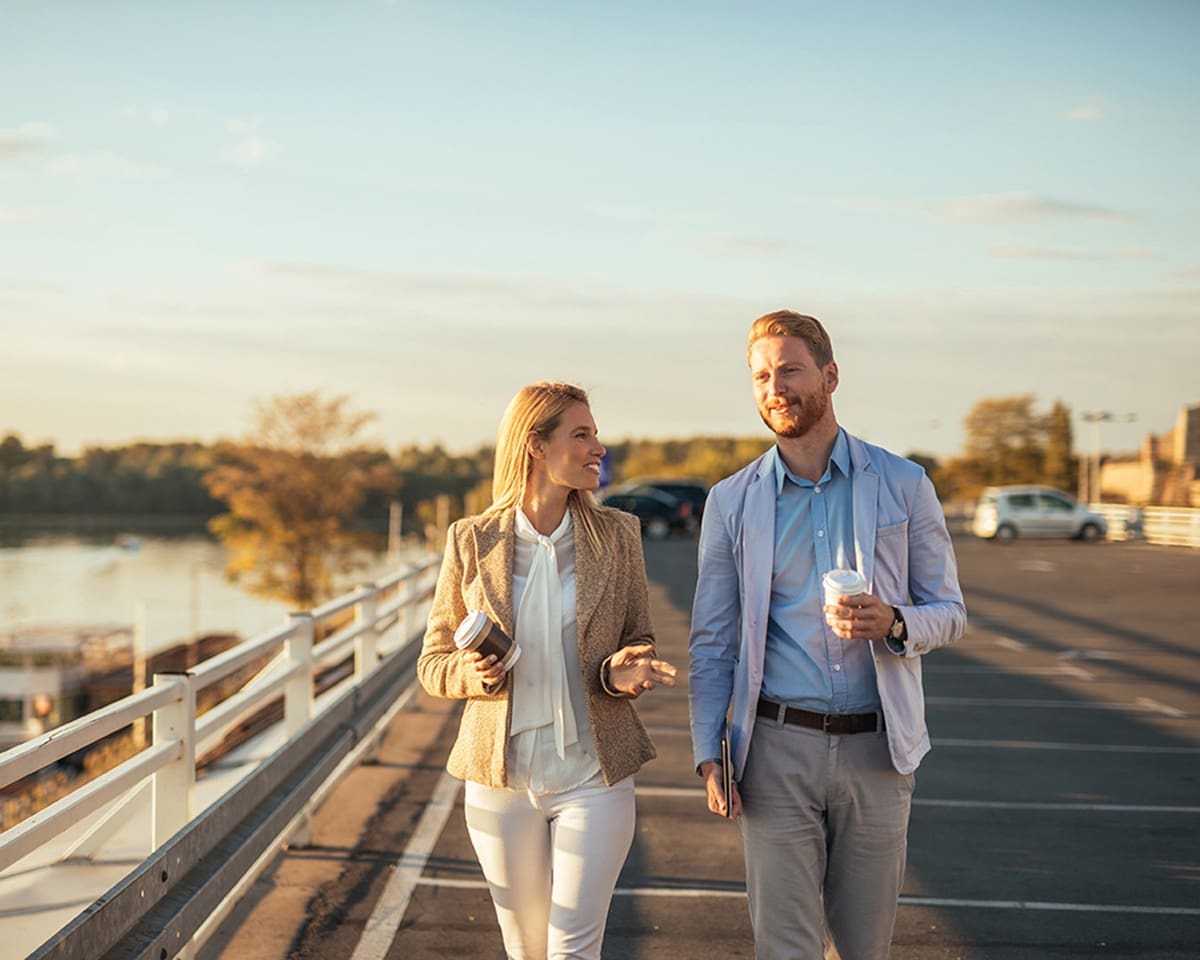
pixel 1005 513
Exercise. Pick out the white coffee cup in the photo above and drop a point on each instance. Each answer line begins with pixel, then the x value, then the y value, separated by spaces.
pixel 842 583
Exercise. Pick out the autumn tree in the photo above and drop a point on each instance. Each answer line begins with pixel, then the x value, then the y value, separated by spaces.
pixel 292 489
pixel 1060 466
pixel 1008 441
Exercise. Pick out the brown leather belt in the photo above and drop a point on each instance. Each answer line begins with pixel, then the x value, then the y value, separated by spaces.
pixel 835 723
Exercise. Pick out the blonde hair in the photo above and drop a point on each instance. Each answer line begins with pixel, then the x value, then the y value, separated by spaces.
pixel 537 410
pixel 785 323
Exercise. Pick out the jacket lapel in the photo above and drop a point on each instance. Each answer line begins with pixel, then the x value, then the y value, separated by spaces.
pixel 866 500
pixel 758 547
pixel 591 576
pixel 494 544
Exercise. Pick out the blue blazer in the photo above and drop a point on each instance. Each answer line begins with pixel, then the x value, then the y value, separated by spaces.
pixel 901 546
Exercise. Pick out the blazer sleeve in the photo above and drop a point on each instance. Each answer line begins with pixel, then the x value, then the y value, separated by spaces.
pixel 713 646
pixel 440 667
pixel 637 628
pixel 937 616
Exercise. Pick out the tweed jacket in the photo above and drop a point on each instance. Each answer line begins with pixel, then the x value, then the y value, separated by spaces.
pixel 612 610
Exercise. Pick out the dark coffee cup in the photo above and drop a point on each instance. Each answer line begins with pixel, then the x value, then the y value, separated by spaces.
pixel 480 633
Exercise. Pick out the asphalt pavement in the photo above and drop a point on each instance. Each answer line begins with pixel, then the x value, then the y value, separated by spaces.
pixel 1058 815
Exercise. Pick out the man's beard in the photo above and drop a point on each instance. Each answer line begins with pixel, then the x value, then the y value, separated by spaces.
pixel 796 423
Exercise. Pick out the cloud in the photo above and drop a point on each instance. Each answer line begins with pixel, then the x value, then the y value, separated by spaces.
pixel 1022 208
pixel 1089 111
pixel 25 140
pixel 102 163
pixel 1018 252
pixel 156 115
pixel 1186 273
pixel 250 150
pixel 742 246
pixel 23 215
pixel 625 213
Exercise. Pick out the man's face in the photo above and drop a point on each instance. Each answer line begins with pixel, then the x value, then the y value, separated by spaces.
pixel 792 393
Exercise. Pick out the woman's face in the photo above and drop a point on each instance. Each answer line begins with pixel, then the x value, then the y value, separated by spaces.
pixel 570 456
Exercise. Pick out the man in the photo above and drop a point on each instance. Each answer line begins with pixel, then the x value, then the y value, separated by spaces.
pixel 826 711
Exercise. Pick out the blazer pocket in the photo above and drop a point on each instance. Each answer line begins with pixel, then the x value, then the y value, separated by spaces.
pixel 891 562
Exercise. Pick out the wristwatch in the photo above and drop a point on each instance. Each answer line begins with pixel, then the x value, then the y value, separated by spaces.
pixel 898 631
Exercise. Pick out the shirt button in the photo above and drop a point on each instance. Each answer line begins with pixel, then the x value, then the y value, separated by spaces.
pixel 837 666
pixel 816 489
pixel 820 533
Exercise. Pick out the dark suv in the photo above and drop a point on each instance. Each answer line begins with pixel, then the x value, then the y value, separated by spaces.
pixel 693 492
pixel 660 513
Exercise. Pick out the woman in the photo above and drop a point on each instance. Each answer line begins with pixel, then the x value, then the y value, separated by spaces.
pixel 548 749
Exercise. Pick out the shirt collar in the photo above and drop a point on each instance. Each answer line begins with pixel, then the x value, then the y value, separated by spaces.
pixel 527 531
pixel 839 458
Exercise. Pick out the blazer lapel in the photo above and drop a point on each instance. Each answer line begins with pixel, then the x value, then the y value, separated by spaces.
pixel 591 577
pixel 494 544
pixel 866 500
pixel 758 547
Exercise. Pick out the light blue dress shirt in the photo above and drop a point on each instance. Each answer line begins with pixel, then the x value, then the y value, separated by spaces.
pixel 805 663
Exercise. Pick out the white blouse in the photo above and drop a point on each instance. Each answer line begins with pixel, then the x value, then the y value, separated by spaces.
pixel 550 745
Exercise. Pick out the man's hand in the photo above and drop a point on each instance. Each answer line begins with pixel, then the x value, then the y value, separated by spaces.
pixel 862 617
pixel 714 787
pixel 634 669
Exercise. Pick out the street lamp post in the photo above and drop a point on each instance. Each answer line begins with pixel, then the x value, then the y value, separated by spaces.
pixel 1095 418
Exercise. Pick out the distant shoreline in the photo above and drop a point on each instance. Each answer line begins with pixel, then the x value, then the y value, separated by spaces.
pixel 106 521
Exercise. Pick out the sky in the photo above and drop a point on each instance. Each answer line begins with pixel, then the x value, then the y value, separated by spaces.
pixel 426 205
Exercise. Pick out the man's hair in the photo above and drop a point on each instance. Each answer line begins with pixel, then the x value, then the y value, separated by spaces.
pixel 786 323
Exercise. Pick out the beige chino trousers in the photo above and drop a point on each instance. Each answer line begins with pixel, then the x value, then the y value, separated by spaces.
pixel 824 824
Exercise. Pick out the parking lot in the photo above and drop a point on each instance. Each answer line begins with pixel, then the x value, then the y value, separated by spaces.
pixel 1057 816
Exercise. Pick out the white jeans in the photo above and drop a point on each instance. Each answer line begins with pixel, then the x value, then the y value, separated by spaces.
pixel 552 861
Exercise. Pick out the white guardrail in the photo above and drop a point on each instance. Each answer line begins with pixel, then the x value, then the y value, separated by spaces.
pixel 206 862
pixel 1169 526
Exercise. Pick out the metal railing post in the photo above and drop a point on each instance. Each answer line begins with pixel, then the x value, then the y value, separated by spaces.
pixel 298 693
pixel 366 644
pixel 298 702
pixel 173 794
pixel 407 613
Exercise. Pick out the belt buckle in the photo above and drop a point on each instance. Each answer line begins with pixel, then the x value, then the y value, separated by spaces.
pixel 826 722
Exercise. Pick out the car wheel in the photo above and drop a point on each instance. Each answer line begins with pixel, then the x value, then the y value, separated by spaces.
pixel 1090 533
pixel 657 528
pixel 1005 533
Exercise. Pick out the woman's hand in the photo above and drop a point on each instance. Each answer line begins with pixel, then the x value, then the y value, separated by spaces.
pixel 487 669
pixel 633 670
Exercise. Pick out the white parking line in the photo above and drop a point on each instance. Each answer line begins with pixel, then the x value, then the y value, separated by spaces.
pixel 1067 807
pixel 905 901
pixel 385 919
pixel 1049 905
pixel 1141 705
pixel 697 793
pixel 1008 643
pixel 1047 745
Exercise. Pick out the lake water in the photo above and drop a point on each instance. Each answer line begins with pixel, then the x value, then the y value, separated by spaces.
pixel 68 579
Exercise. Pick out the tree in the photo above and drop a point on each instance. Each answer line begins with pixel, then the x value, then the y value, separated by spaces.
pixel 1060 465
pixel 292 489
pixel 1009 442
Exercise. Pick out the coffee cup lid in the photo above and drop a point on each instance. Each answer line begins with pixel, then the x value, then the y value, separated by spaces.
pixel 847 581
pixel 472 625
